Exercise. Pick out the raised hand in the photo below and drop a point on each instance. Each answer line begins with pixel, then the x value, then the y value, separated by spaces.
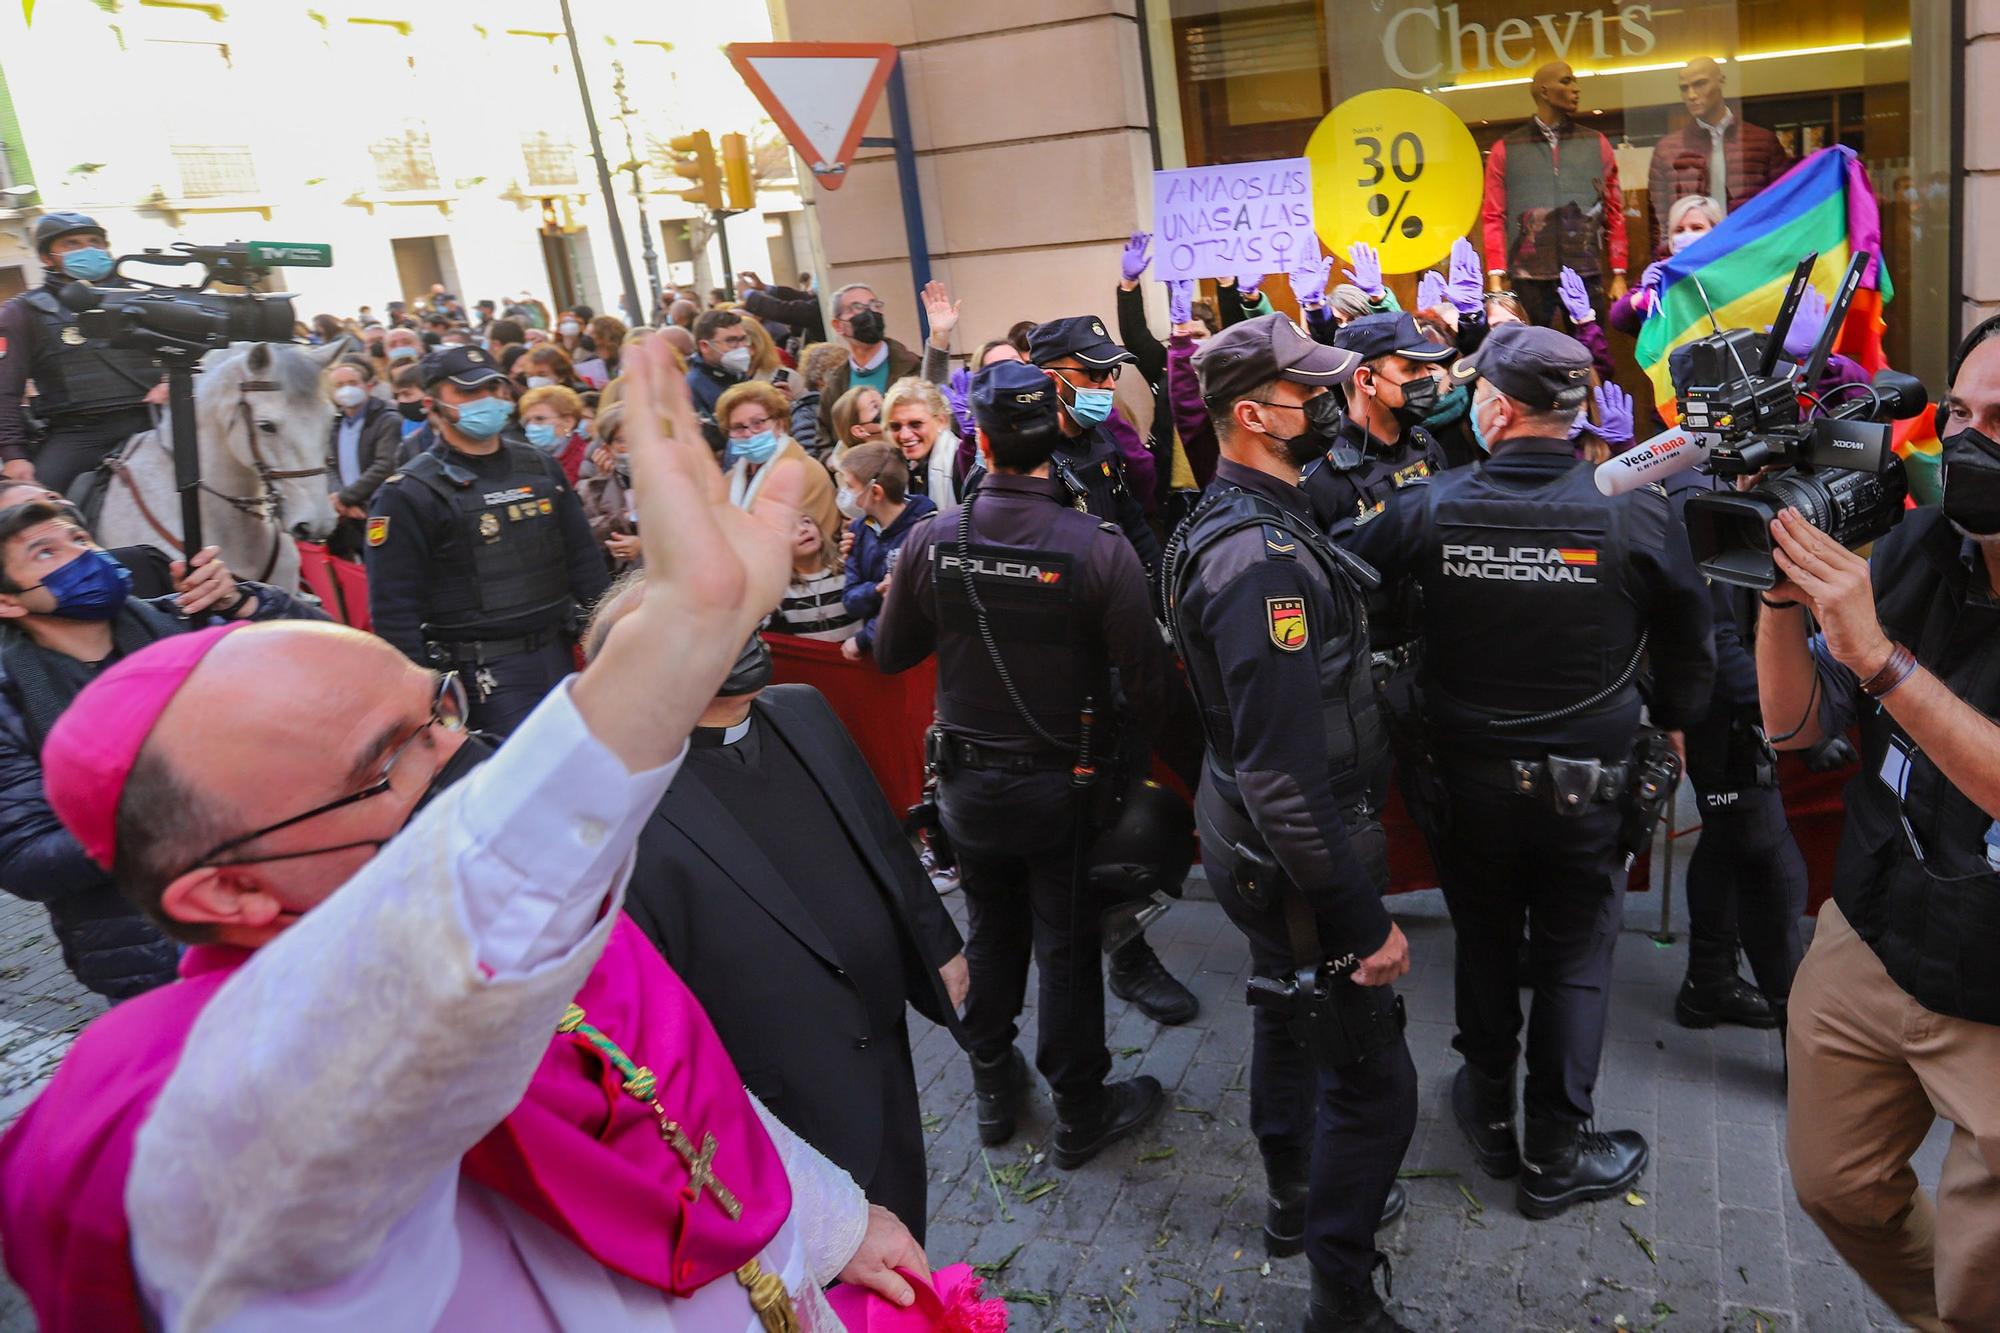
pixel 1806 324
pixel 1575 297
pixel 1180 301
pixel 1138 254
pixel 941 312
pixel 1431 290
pixel 1248 285
pixel 1309 278
pixel 1649 281
pixel 1464 288
pixel 1367 271
pixel 1614 415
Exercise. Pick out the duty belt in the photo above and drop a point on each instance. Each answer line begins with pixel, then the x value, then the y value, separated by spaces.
pixel 462 652
pixel 970 755
pixel 1530 777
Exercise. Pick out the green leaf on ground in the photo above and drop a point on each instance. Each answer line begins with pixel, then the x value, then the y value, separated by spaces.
pixel 1645 1246
pixel 1156 1155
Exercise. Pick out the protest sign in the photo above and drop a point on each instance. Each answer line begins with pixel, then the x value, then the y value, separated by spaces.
pixel 1232 219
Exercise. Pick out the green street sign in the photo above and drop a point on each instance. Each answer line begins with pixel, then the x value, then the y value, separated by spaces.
pixel 290 254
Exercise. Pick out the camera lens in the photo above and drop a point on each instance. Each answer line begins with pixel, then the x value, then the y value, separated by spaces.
pixel 1730 533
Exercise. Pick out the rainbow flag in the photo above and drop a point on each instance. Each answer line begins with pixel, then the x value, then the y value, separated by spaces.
pixel 1823 204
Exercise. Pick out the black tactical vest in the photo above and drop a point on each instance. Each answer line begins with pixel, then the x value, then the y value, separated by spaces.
pixel 1526 608
pixel 78 376
pixel 504 557
pixel 1047 637
pixel 1357 745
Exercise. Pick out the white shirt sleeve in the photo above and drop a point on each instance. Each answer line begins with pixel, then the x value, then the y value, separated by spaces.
pixel 828 1208
pixel 332 1085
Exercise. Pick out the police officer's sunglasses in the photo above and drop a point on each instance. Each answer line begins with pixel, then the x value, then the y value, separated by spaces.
pixel 449 710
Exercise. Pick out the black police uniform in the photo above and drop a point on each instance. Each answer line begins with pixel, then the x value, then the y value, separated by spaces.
pixel 1089 464
pixel 1355 478
pixel 1273 630
pixel 1747 878
pixel 1538 591
pixel 483 564
pixel 91 395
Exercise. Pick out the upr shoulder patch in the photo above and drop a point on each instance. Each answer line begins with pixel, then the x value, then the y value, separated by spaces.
pixel 378 529
pixel 1288 622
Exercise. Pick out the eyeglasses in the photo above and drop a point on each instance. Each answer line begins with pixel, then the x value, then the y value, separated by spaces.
pixel 745 429
pixel 853 310
pixel 448 710
pixel 1093 379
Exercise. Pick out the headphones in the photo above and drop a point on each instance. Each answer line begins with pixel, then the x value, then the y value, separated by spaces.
pixel 1986 328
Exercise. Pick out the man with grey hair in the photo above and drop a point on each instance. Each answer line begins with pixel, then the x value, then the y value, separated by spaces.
pixel 1541 596
pixel 874 360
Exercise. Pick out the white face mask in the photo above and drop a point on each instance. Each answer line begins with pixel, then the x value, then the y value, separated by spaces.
pixel 737 361
pixel 539 381
pixel 848 503
pixel 350 395
pixel 1681 240
pixel 569 328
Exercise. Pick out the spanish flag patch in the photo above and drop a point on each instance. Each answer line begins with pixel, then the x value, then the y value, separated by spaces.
pixel 1288 622
pixel 378 529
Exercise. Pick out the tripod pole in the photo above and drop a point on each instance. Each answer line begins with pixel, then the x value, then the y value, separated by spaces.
pixel 187 455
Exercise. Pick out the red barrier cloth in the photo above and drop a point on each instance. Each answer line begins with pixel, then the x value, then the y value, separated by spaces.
pixel 886 715
pixel 341 585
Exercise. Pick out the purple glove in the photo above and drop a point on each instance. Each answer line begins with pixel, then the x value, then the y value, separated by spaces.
pixel 1367 271
pixel 1247 286
pixel 1614 415
pixel 1180 301
pixel 1575 297
pixel 1133 262
pixel 1309 278
pixel 1806 324
pixel 1650 279
pixel 1431 290
pixel 1463 288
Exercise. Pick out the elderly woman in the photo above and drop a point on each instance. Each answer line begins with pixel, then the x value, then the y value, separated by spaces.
pixel 756 419
pixel 916 420
pixel 552 419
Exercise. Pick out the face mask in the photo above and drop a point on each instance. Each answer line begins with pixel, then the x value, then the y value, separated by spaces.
pixel 737 361
pixel 569 328
pixel 759 448
pixel 542 435
pixel 476 749
pixel 403 352
pixel 375 350
pixel 1477 434
pixel 90 265
pixel 752 671
pixel 1087 407
pixel 1420 399
pixel 1681 240
pixel 848 503
pixel 867 328
pixel 411 411
pixel 1324 412
pixel 350 395
pixel 1972 482
pixel 539 381
pixel 484 419
pixel 91 587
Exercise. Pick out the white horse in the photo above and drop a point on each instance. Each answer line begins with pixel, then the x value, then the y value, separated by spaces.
pixel 262 425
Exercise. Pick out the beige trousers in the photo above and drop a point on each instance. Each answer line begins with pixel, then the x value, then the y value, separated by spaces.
pixel 1871 1070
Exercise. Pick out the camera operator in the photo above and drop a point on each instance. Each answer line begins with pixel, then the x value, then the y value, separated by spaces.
pixel 1895 1013
pixel 91 395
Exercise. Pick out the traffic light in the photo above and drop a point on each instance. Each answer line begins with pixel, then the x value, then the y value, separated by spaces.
pixel 694 158
pixel 736 172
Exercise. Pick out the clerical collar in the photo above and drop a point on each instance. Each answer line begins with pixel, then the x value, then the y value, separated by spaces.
pixel 716 737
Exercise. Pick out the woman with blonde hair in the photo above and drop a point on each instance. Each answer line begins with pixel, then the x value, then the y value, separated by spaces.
pixel 764 357
pixel 756 419
pixel 916 419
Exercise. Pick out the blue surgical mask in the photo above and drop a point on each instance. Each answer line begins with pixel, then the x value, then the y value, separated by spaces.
pixel 1472 414
pixel 484 418
pixel 90 264
pixel 91 587
pixel 1091 406
pixel 542 435
pixel 759 448
pixel 402 352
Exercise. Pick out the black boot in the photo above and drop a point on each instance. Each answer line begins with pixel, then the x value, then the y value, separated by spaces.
pixel 1339 1308
pixel 1138 975
pixel 1484 1109
pixel 1714 993
pixel 1571 1164
pixel 998 1085
pixel 1087 1126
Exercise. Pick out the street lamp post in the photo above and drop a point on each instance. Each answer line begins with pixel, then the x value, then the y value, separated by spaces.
pixel 651 255
pixel 603 170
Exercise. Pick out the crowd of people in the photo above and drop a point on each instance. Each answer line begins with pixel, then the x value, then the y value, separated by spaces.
pixel 1294 564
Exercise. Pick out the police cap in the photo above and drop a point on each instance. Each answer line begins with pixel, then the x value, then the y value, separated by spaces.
pixel 1011 399
pixel 1372 337
pixel 52 227
pixel 1079 336
pixel 1541 367
pixel 467 367
pixel 1248 355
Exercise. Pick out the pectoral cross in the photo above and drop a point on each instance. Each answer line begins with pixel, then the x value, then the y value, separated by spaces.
pixel 701 1171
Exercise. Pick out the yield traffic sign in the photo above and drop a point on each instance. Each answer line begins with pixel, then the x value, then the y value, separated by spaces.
pixel 821 95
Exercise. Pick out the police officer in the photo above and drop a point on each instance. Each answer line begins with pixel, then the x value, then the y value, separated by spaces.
pixel 91 395
pixel 1083 363
pixel 1273 628
pixel 1541 597
pixel 1031 607
pixel 479 557
pixel 1378 447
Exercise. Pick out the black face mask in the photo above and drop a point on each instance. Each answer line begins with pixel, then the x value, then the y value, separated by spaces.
pixel 475 750
pixel 1325 413
pixel 1420 399
pixel 1972 482
pixel 867 328
pixel 411 411
pixel 752 671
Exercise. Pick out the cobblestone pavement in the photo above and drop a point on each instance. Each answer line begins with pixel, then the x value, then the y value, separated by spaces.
pixel 1162 1233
